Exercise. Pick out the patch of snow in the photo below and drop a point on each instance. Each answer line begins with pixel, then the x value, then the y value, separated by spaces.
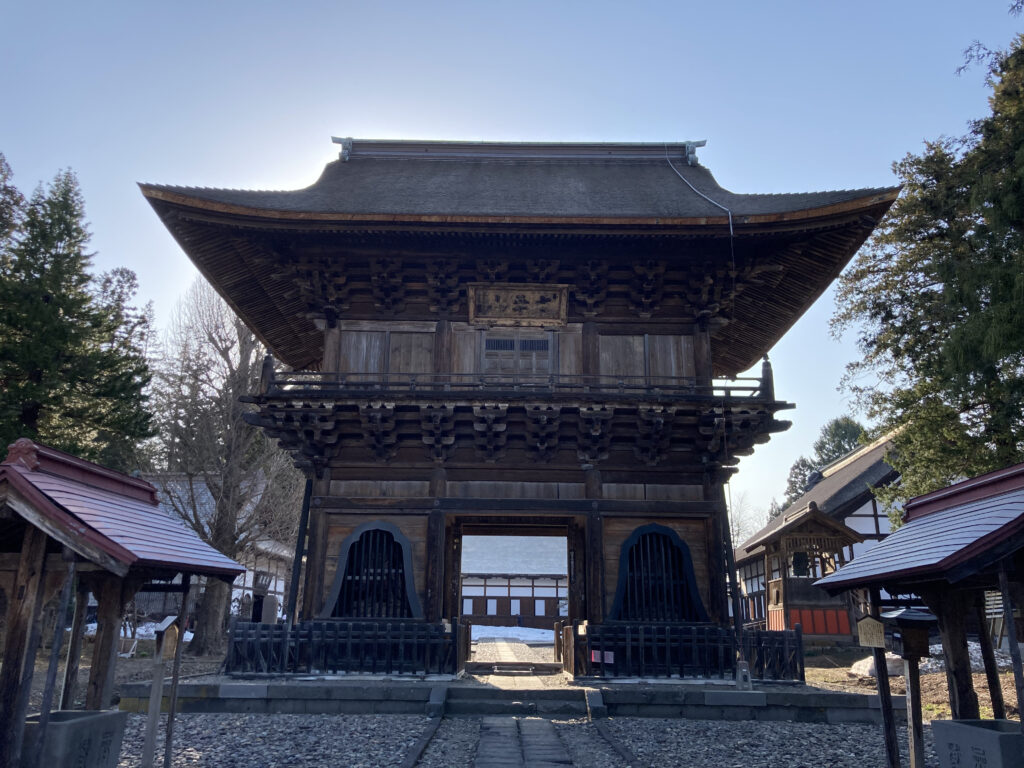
pixel 937 662
pixel 522 634
pixel 145 631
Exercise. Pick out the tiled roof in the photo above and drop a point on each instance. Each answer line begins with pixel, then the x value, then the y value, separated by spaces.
pixel 119 514
pixel 520 180
pixel 846 483
pixel 968 534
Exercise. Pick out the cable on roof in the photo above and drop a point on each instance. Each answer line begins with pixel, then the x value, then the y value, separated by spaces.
pixel 732 235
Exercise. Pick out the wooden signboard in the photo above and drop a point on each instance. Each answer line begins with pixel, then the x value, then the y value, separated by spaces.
pixel 871 633
pixel 518 304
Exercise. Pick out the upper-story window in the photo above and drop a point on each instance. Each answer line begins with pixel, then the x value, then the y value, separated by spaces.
pixel 517 352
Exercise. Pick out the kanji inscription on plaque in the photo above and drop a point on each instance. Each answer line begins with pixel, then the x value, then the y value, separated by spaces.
pixel 517 304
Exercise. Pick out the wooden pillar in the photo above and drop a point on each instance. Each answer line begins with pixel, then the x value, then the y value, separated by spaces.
pixel 988 656
pixel 716 538
pixel 452 607
pixel 702 364
pixel 70 685
pixel 915 726
pixel 22 639
pixel 443 347
pixel 1011 633
pixel 577 545
pixel 591 349
pixel 951 608
pixel 892 748
pixel 594 555
pixel 433 609
pixel 109 596
pixel 316 542
pixel 332 349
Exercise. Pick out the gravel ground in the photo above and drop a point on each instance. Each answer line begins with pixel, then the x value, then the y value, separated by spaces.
pixel 586 746
pixel 285 741
pixel 498 649
pixel 454 744
pixel 751 744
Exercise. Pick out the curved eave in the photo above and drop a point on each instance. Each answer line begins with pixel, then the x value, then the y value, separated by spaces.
pixel 246 214
pixel 256 294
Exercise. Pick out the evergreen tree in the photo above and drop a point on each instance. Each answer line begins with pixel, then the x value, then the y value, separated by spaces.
pixel 937 296
pixel 72 348
pixel 837 438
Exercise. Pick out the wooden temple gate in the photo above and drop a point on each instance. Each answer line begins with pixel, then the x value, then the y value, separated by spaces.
pixel 469 342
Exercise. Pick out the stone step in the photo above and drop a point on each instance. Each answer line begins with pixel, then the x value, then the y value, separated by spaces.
pixel 490 707
pixel 469 693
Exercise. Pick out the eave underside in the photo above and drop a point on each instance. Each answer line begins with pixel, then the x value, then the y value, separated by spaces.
pixel 749 289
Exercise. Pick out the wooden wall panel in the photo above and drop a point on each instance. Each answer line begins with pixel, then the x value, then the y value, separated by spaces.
pixel 670 356
pixel 411 353
pixel 653 492
pixel 340 526
pixel 362 352
pixel 465 348
pixel 358 489
pixel 621 355
pixel 485 489
pixel 570 352
pixel 617 530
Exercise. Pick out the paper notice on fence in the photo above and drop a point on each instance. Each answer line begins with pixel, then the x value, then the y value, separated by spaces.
pixel 609 657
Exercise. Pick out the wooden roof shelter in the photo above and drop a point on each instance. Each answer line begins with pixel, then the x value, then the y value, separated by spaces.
pixel 64 520
pixel 956 543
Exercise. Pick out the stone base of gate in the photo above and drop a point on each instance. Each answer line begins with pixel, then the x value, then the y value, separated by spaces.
pixel 709 701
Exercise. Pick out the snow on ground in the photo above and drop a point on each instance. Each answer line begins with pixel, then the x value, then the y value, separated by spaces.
pixel 937 664
pixel 145 631
pixel 522 634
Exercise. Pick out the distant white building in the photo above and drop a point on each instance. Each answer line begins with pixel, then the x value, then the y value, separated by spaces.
pixel 514 580
pixel 267 563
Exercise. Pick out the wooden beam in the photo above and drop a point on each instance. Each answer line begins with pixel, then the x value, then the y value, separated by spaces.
pixel 1011 634
pixel 951 607
pixel 23 615
pixel 988 656
pixel 67 697
pixel 109 596
pixel 435 567
pixel 892 747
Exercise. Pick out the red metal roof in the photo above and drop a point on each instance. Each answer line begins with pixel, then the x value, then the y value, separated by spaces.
pixel 118 514
pixel 949 535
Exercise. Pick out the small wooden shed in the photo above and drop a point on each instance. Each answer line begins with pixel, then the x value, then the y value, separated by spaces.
pixel 956 543
pixel 787 555
pixel 66 522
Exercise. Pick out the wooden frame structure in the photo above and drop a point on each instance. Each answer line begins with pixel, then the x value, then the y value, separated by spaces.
pixel 67 524
pixel 518 339
pixel 955 544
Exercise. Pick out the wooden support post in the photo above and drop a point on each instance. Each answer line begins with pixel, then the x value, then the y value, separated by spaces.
pixel 435 567
pixel 988 656
pixel 892 747
pixel 951 608
pixel 70 686
pixel 300 550
pixel 172 705
pixel 23 615
pixel 1011 633
pixel 108 630
pixel 915 724
pixel 35 748
pixel 595 569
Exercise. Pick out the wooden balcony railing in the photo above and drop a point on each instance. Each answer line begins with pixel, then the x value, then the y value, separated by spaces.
pixel 327 384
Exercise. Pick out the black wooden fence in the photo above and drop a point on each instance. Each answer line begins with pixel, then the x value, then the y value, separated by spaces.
pixel 678 650
pixel 326 647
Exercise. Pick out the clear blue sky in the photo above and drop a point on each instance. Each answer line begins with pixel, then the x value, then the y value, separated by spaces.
pixel 791 97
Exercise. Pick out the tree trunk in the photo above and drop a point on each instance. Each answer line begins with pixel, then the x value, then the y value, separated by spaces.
pixel 211 619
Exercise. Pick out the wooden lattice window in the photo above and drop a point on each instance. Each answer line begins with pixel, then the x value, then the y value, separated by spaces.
pixel 656 579
pixel 515 351
pixel 373 584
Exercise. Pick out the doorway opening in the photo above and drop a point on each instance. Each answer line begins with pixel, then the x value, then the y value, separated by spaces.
pixel 512 590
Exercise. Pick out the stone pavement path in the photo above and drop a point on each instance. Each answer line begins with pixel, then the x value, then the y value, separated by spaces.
pixel 515 742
